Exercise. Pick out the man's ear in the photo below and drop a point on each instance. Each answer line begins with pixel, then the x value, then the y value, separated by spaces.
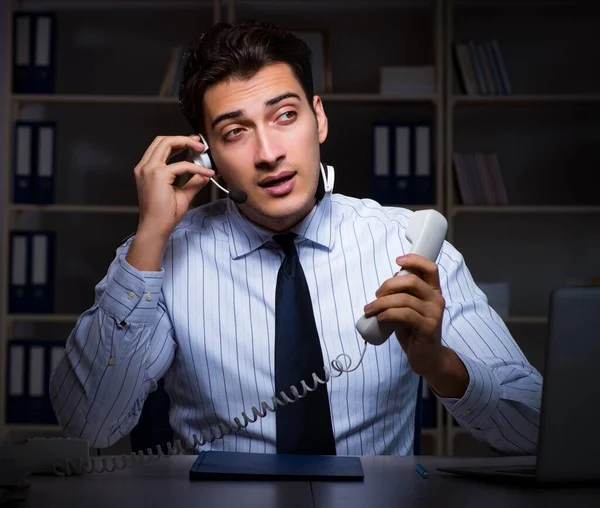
pixel 322 125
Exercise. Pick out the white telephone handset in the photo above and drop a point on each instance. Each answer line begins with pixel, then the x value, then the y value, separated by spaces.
pixel 426 232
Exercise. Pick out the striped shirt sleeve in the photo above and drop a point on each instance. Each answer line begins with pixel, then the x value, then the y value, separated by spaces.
pixel 114 357
pixel 501 406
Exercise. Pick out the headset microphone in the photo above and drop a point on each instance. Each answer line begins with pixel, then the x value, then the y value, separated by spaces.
pixel 236 195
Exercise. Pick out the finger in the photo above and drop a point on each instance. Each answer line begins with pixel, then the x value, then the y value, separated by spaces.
pixel 177 151
pixel 424 267
pixel 404 316
pixel 396 300
pixel 167 145
pixel 182 167
pixel 193 186
pixel 406 283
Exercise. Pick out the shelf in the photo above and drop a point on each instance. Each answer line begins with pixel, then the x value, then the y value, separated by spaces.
pixel 73 208
pixel 43 318
pixel 33 427
pixel 20 431
pixel 62 5
pixel 458 100
pixel 93 99
pixel 456 431
pixel 288 5
pixel 525 320
pixel 149 99
pixel 431 206
pixel 341 97
pixel 516 209
pixel 16 208
pixel 519 3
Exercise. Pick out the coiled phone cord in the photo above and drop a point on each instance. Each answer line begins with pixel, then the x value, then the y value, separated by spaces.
pixel 110 463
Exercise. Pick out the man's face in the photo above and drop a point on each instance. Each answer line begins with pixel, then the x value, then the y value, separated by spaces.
pixel 264 139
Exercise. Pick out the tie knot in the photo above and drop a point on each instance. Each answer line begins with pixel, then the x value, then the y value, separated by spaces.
pixel 286 242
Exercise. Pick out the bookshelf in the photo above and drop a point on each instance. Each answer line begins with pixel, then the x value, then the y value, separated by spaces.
pixel 107 109
pixel 117 99
pixel 543 133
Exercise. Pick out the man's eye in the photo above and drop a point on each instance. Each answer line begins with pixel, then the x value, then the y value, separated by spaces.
pixel 288 115
pixel 232 133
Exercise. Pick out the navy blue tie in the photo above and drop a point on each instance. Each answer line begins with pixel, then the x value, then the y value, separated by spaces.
pixel 304 426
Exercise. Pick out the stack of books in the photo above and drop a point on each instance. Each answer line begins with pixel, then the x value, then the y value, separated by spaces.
pixel 479 179
pixel 481 68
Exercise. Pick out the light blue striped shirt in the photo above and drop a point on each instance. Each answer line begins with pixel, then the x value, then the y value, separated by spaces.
pixel 206 322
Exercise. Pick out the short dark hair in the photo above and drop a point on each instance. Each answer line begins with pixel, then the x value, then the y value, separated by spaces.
pixel 238 51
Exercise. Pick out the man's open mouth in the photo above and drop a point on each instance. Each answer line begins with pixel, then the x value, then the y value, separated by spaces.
pixel 274 181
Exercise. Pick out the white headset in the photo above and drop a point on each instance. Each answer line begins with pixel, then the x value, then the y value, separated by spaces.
pixel 202 157
pixel 328 178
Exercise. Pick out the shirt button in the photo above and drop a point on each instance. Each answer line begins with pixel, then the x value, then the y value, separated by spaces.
pixel 148 297
pixel 466 412
pixel 131 295
pixel 111 361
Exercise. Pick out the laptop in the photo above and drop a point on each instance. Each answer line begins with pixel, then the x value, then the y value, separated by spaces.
pixel 569 433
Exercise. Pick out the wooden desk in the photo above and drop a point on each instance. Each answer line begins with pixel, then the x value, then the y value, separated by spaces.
pixel 389 482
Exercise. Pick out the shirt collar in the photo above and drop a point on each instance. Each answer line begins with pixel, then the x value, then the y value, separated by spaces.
pixel 247 236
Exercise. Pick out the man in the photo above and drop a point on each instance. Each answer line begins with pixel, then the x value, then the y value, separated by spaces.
pixel 201 297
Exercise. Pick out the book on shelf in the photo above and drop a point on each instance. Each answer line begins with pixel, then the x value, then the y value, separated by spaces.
pixel 479 179
pixel 481 68
pixel 173 73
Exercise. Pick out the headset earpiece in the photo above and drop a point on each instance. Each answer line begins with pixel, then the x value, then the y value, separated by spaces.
pixel 328 177
pixel 325 185
pixel 203 158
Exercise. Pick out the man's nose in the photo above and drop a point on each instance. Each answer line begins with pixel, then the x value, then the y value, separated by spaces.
pixel 269 152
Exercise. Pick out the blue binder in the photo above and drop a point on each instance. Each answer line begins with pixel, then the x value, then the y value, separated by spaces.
pixel 34 161
pixel 381 180
pixel 19 291
pixel 34 52
pixel 422 165
pixel 30 363
pixel 42 271
pixel 45 162
pixel 390 184
pixel 22 163
pixel 31 276
pixel 16 391
pixel 403 169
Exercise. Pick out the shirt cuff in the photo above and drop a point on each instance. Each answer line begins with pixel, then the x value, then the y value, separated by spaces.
pixel 481 398
pixel 131 296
